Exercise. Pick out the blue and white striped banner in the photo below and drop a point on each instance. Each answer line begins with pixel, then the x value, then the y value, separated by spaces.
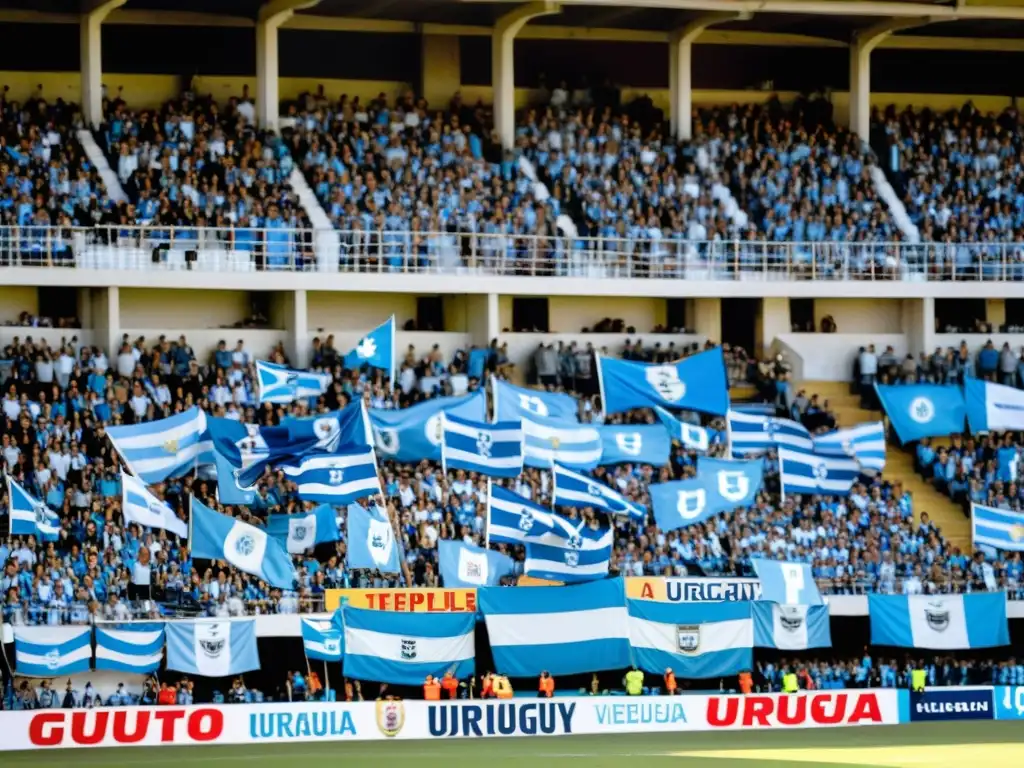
pixel 156 450
pixel 550 441
pixel 336 478
pixel 573 552
pixel 939 622
pixel 865 443
pixel 278 384
pixel 791 627
pixel 571 489
pixel 697 640
pixel 52 651
pixel 130 650
pixel 29 515
pixel 139 505
pixel 564 630
pixel 1000 529
pixel 403 648
pixel 511 519
pixel 809 473
pixel 495 450
pixel 752 434
pixel 324 639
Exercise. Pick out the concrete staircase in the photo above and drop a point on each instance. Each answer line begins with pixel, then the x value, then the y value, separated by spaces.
pixel 899 464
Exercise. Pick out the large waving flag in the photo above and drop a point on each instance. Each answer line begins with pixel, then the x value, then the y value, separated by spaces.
pixel 217 537
pixel 692 437
pixel 865 443
pixel 923 410
pixel 229 491
pixel 997 528
pixel 564 630
pixel 463 565
pixel 791 627
pixel 50 652
pixel 403 648
pixel 138 651
pixel 278 384
pixel 571 489
pixel 212 648
pixel 696 383
pixel 324 639
pixel 697 640
pixel 787 583
pixel 809 473
pixel 376 349
pixel 512 519
pixel 939 622
pixel 140 506
pixel 993 406
pixel 551 441
pixel 371 540
pixel 572 553
pixel 753 434
pixel 635 444
pixel 414 434
pixel 156 450
pixel 512 402
pixel 336 478
pixel 495 450
pixel 30 516
pixel 303 531
pixel 720 486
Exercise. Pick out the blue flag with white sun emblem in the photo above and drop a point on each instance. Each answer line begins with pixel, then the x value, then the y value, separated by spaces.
pixel 923 410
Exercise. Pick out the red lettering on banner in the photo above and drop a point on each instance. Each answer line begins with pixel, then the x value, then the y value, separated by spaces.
pixel 791 711
pixel 471 602
pixel 121 735
pixel 167 718
pixel 212 719
pixel 112 727
pixel 40 735
pixel 99 727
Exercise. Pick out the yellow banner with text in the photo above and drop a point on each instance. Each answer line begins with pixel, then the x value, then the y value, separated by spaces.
pixel 404 600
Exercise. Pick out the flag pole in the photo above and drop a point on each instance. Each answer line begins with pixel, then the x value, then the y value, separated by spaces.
pixel 487 533
pixel 191 499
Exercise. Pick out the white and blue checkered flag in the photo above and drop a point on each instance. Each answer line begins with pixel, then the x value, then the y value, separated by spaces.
pixel 52 651
pixel 218 537
pixel 808 473
pixel 495 450
pixel 156 450
pixel 29 516
pixel 212 648
pixel 138 651
pixel 336 478
pixel 752 434
pixel 324 639
pixel 865 443
pixel 573 489
pixel 278 384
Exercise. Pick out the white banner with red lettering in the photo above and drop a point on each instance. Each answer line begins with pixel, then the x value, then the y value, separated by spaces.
pixel 560 716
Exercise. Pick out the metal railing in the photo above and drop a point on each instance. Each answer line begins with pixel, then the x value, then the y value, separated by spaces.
pixel 385 252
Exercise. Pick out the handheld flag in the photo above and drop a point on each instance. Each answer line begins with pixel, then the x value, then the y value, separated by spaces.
pixel 720 486
pixel 156 450
pixel 495 450
pixel 786 583
pixel 336 478
pixel 997 528
pixel 463 565
pixel 324 639
pixel 512 519
pixel 414 434
pixel 692 437
pixel 376 349
pixel 371 541
pixel 301 532
pixel 571 553
pixel 29 516
pixel 752 434
pixel 696 383
pixel 571 489
pixel 993 406
pixel 865 443
pixel 140 506
pixel 513 403
pixel 551 441
pixel 923 410
pixel 634 444
pixel 809 473
pixel 278 384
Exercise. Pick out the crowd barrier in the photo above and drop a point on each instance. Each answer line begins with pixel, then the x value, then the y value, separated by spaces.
pixel 370 721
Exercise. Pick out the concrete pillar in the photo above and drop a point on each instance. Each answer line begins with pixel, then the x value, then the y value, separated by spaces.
pixel 680 80
pixel 918 325
pixel 503 64
pixel 270 18
pixel 298 329
pixel 440 69
pixel 707 318
pixel 863 43
pixel 493 317
pixel 773 322
pixel 106 316
pixel 91 57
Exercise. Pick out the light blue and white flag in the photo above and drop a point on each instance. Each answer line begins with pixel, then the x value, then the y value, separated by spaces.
pixel 572 553
pixel 791 627
pixel 923 410
pixel 410 435
pixel 551 441
pixel 635 444
pixel 303 531
pixel 278 384
pixel 156 450
pixel 139 651
pixel 218 537
pixel 324 639
pixel 564 630
pixel 229 491
pixel 752 434
pixel 786 583
pixel 29 516
pixel 212 648
pixel 511 519
pixel 336 478
pixel 376 349
pixel 140 506
pixel 696 383
pixel 997 528
pixel 495 450
pixel 52 651
pixel 992 407
pixel 720 486
pixel 403 648
pixel 697 640
pixel 692 437
pixel 571 489
pixel 808 473
pixel 464 565
pixel 865 443
pixel 371 540
pixel 514 403
pixel 939 622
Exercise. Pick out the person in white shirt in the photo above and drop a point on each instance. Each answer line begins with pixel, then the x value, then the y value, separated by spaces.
pixel 239 356
pixel 44 368
pixel 12 406
pixel 140 402
pixel 125 361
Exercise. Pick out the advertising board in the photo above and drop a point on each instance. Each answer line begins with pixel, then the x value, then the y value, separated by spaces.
pixel 1009 701
pixel 691 590
pixel 432 600
pixel 967 703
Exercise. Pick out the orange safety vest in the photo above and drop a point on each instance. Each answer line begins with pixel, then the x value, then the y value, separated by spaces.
pixel 547 686
pixel 670 682
pixel 451 685
pixel 502 688
pixel 432 691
